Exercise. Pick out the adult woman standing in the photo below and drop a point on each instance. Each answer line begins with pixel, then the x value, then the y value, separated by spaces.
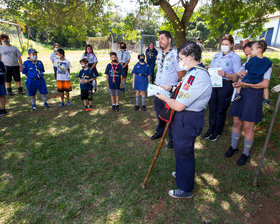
pixel 219 102
pixel 247 111
pixel 194 92
pixel 151 57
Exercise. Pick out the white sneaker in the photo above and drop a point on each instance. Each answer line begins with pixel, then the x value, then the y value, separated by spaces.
pixel 174 174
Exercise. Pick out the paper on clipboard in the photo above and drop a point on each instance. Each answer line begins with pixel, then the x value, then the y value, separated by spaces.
pixel 154 90
pixel 216 79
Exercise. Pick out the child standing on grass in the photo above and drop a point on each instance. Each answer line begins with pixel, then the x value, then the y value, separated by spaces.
pixel 255 68
pixel 3 92
pixel 63 77
pixel 86 76
pixel 141 77
pixel 114 74
pixel 34 71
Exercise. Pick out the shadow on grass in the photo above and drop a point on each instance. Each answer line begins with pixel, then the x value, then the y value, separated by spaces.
pixel 64 165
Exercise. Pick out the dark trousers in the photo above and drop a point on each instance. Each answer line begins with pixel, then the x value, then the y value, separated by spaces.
pixel 152 67
pixel 158 105
pixel 185 173
pixel 54 71
pixel 218 106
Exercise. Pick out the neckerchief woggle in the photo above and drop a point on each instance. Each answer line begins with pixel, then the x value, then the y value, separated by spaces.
pixel 163 58
pixel 114 71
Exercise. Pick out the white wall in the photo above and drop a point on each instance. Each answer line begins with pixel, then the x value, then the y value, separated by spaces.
pixel 274 23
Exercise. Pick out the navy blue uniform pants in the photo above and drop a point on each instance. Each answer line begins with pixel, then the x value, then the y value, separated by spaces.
pixel 152 67
pixel 54 71
pixel 218 106
pixel 186 126
pixel 159 105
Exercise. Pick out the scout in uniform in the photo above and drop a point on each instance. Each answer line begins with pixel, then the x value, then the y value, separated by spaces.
pixel 53 57
pixel 230 63
pixel 114 74
pixel 124 59
pixel 34 71
pixel 168 73
pixel 151 57
pixel 188 121
pixel 141 77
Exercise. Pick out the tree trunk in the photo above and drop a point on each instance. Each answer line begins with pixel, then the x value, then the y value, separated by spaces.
pixel 180 37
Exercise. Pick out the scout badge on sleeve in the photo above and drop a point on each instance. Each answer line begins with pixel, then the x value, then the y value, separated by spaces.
pixel 114 71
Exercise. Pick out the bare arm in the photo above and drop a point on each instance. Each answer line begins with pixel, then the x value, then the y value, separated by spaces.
pixel 133 81
pixel 94 65
pixel 261 85
pixel 232 76
pixel 20 63
pixel 107 80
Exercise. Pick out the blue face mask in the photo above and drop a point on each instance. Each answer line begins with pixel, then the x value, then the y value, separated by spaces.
pixel 142 60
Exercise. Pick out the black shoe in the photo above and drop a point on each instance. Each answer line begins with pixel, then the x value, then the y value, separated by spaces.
pixel 214 137
pixel 20 91
pixel 155 136
pixel 230 152
pixel 207 134
pixel 117 107
pixel 170 145
pixel 136 108
pixel 113 107
pixel 242 160
pixel 144 108
pixel 10 93
pixel 3 112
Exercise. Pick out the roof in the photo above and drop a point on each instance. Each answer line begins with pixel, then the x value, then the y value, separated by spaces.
pixel 276 14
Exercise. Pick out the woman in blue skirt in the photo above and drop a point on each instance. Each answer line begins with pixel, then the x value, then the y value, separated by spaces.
pixel 246 112
pixel 141 77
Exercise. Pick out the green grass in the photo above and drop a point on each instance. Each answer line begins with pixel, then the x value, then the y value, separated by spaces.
pixel 64 165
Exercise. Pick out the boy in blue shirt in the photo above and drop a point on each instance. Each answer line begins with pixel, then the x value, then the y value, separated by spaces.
pixel 3 92
pixel 114 74
pixel 34 71
pixel 86 76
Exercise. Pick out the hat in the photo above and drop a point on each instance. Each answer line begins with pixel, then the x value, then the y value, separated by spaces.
pixel 141 54
pixel 30 51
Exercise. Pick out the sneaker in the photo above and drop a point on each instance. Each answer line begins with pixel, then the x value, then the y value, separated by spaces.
pixel 170 145
pixel 214 137
pixel 86 108
pixel 242 160
pixel 230 152
pixel 3 112
pixel 207 134
pixel 117 107
pixel 266 103
pixel 136 108
pixel 22 92
pixel 61 104
pixel 34 107
pixel 155 136
pixel 68 104
pixel 123 90
pixel 90 108
pixel 177 193
pixel 143 108
pixel 237 97
pixel 46 105
pixel 173 174
pixel 113 107
pixel 10 93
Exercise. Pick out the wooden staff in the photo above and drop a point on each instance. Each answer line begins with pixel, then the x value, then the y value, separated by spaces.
pixel 158 149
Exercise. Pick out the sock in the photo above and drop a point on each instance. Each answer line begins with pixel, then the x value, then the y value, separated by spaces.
pixel 9 90
pixel 44 97
pixel 113 104
pixel 137 100
pixel 124 81
pixel 247 146
pixel 235 139
pixel 117 104
pixel 143 100
pixel 33 100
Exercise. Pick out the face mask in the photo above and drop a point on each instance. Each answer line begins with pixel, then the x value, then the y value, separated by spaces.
pixel 55 49
pixel 6 42
pixel 83 66
pixel 123 47
pixel 89 51
pixel 151 47
pixel 114 61
pixel 34 58
pixel 182 66
pixel 141 59
pixel 57 57
pixel 225 48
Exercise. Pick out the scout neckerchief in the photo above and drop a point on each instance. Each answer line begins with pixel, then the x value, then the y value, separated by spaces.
pixel 37 69
pixel 122 54
pixel 114 70
pixel 163 58
pixel 166 113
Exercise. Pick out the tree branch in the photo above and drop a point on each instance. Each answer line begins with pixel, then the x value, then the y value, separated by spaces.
pixel 165 5
pixel 189 7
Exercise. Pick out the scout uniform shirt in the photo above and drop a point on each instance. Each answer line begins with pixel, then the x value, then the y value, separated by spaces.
pixel 85 75
pixel 196 90
pixel 151 56
pixel 168 66
pixel 114 78
pixel 230 63
pixel 33 69
pixel 91 58
pixel 123 56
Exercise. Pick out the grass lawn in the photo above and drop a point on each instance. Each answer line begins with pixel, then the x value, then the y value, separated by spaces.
pixel 64 165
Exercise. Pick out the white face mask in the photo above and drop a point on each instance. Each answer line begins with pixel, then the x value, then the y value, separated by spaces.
pixel 182 66
pixel 225 48
pixel 34 58
pixel 57 57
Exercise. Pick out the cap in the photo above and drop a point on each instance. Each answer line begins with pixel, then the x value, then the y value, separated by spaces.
pixel 30 51
pixel 141 54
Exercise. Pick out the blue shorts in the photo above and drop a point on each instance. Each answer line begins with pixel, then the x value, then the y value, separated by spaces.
pixel 33 85
pixel 3 90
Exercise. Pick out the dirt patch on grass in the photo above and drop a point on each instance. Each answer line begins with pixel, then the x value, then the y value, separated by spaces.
pixel 156 209
pixel 53 95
